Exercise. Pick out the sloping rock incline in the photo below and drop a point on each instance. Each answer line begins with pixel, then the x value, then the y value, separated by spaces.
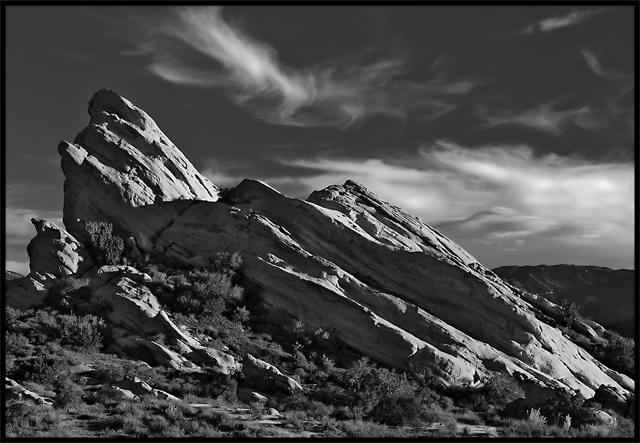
pixel 121 168
pixel 391 286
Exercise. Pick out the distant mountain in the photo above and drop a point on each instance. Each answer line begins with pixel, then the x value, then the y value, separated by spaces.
pixel 602 294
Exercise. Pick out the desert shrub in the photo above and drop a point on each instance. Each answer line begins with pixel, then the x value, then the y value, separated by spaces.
pixel 212 292
pixel 81 332
pixel 70 395
pixel 569 312
pixel 367 430
pixel 501 389
pixel 17 344
pixel 106 248
pixel 562 404
pixel 397 410
pixel 227 263
pixel 66 287
pixel 46 370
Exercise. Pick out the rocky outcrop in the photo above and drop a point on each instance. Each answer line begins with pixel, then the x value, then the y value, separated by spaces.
pixel 13 390
pixel 262 375
pixel 122 168
pixel 53 253
pixel 389 285
pixel 56 252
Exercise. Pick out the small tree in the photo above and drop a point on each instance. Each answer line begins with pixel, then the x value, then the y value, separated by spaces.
pixel 569 312
pixel 107 248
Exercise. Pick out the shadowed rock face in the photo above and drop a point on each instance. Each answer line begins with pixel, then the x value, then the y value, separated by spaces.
pixel 389 285
pixel 123 161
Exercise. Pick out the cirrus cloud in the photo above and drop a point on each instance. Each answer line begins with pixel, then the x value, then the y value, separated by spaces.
pixel 189 46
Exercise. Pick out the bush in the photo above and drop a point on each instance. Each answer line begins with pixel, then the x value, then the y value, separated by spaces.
pixel 106 248
pixel 81 332
pixel 211 292
pixel 49 371
pixel 501 389
pixel 67 287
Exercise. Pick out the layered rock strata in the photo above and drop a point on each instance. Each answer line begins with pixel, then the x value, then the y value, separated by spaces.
pixel 122 168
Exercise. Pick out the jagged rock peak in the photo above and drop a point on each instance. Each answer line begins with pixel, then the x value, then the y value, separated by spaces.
pixel 105 100
pixel 122 162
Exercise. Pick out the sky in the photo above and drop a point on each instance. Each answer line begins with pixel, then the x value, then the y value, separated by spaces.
pixel 508 128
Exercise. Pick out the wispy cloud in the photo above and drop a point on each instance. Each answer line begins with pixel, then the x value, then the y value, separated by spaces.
pixel 335 93
pixel 596 67
pixel 550 200
pixel 559 22
pixel 544 118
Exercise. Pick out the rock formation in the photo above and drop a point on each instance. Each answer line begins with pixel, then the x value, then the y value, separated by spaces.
pixel 121 168
pixel 387 284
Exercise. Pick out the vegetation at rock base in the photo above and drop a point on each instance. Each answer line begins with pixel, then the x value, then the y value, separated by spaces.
pixel 107 248
pixel 344 394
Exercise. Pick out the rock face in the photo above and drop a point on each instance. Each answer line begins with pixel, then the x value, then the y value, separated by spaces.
pixel 388 285
pixel 121 168
pixel 391 286
pixel 56 252
pixel 53 253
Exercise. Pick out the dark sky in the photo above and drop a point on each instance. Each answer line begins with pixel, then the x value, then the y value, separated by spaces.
pixel 508 128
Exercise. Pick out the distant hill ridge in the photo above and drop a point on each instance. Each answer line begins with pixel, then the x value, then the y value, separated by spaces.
pixel 604 295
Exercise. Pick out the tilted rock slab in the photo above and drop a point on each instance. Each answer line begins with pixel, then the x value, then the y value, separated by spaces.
pixel 121 167
pixel 392 287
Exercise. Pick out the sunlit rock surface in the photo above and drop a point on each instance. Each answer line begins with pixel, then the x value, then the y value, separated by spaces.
pixel 387 284
pixel 120 167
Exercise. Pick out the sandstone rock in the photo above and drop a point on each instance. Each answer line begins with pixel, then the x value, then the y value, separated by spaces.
pixel 29 291
pixel 56 252
pixel 164 395
pixel 14 390
pixel 134 385
pixel 165 356
pixel 261 374
pixel 212 357
pixel 121 167
pixel 390 286
pixel 518 408
pixel 123 393
pixel 610 398
pixel 590 416
pixel 249 395
pixel 129 303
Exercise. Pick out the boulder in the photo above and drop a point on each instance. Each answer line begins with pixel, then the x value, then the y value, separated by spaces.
pixel 250 395
pixel 591 416
pixel 610 398
pixel 164 395
pixel 14 390
pixel 262 375
pixel 128 303
pixel 134 385
pixel 225 363
pixel 518 408
pixel 29 291
pixel 56 252
pixel 121 168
